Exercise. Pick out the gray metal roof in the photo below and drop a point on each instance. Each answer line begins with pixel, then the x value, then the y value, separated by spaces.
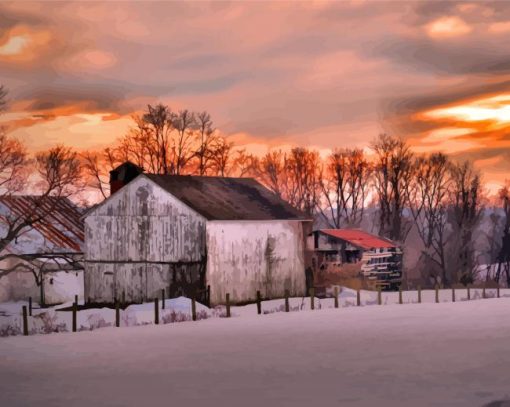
pixel 220 198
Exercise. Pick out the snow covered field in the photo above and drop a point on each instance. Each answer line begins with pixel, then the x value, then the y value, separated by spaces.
pixel 448 354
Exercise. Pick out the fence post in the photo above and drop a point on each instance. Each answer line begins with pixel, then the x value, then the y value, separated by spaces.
pixel 76 299
pixel 400 295
pixel 259 305
pixel 123 297
pixel 469 292
pixel 75 308
pixel 209 296
pixel 193 309
pixel 437 293
pixel 25 321
pixel 419 294
pixel 287 308
pixel 483 292
pixel 453 294
pixel 117 314
pixel 358 298
pixel 156 311
pixel 162 298
pixel 228 305
pixel 312 298
pixel 497 291
pixel 30 306
pixel 336 296
pixel 379 296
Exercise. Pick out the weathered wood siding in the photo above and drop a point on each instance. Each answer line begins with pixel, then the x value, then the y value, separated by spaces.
pixel 135 240
pixel 246 256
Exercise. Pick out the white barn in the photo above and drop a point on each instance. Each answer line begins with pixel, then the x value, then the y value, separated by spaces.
pixel 184 233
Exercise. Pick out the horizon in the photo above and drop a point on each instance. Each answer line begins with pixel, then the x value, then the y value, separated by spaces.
pixel 271 74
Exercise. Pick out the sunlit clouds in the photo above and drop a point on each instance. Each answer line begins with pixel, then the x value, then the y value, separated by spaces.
pixel 23 44
pixel 450 26
pixel 271 74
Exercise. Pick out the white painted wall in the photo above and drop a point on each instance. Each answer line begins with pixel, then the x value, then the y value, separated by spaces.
pixel 133 237
pixel 237 259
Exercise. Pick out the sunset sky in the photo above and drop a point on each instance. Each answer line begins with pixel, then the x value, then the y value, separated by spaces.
pixel 315 74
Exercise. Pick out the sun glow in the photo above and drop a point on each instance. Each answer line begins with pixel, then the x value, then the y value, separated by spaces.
pixel 494 109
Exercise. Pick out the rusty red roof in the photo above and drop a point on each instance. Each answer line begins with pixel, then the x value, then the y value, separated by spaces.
pixel 61 222
pixel 360 238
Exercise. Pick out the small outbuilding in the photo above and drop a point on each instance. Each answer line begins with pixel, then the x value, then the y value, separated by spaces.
pixel 44 261
pixel 184 234
pixel 355 258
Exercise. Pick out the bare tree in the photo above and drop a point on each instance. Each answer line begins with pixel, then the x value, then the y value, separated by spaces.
pixel 272 171
pixel 183 146
pixel 210 146
pixel 96 167
pixel 502 247
pixel 3 98
pixel 465 214
pixel 427 195
pixel 221 156
pixel 344 186
pixel 246 164
pixel 392 175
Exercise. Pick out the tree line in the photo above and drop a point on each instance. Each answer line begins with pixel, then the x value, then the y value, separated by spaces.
pixel 389 186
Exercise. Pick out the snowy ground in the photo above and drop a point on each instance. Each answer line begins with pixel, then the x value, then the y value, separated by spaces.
pixel 50 320
pixel 449 354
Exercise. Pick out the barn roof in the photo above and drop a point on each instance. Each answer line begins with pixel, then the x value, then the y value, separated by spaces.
pixel 360 238
pixel 221 198
pixel 61 227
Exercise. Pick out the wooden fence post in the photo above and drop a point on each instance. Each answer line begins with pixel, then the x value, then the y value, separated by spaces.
pixel 419 294
pixel 25 321
pixel 30 306
pixel 312 298
pixel 123 297
pixel 76 299
pixel 156 311
pixel 437 293
pixel 75 308
pixel 453 294
pixel 497 291
pixel 358 298
pixel 483 292
pixel 193 309
pixel 208 296
pixel 117 314
pixel 259 305
pixel 336 296
pixel 287 308
pixel 469 292
pixel 162 298
pixel 400 295
pixel 379 296
pixel 228 305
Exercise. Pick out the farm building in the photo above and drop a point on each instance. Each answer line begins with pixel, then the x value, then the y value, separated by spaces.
pixel 354 258
pixel 50 271
pixel 185 233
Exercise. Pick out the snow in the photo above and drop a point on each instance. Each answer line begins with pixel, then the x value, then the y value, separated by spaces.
pixel 50 320
pixel 448 354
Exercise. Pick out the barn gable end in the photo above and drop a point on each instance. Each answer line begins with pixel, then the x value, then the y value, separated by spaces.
pixel 140 241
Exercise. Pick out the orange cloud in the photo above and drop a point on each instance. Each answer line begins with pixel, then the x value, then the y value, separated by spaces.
pixel 23 44
pixel 451 26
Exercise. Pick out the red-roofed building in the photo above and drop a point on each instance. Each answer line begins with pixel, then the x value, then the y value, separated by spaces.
pixel 354 258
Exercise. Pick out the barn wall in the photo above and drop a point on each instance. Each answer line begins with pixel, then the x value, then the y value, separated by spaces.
pixel 246 256
pixel 135 241
pixel 59 286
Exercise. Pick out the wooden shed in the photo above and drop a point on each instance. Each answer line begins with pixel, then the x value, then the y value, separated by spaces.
pixel 184 233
